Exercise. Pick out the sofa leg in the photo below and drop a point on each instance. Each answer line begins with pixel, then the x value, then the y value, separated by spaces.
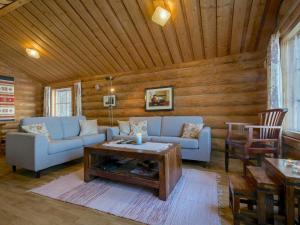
pixel 14 168
pixel 204 164
pixel 37 174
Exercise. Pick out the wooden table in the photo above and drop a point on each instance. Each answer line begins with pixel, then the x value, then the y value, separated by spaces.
pixel 169 169
pixel 276 168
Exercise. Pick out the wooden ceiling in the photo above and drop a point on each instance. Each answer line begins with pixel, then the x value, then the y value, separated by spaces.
pixel 87 37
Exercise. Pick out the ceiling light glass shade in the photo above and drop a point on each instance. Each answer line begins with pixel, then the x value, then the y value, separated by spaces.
pixel 32 53
pixel 161 16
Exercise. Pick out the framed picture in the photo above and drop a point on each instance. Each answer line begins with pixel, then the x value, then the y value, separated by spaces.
pixel 159 99
pixel 109 100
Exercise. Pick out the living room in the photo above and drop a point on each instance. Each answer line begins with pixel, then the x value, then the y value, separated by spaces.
pixel 149 112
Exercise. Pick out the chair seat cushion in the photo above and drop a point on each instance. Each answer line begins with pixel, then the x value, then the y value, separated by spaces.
pixel 57 146
pixel 184 142
pixel 93 139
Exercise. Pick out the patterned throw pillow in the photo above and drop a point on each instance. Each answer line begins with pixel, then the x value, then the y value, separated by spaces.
pixel 124 127
pixel 191 130
pixel 138 127
pixel 88 127
pixel 38 128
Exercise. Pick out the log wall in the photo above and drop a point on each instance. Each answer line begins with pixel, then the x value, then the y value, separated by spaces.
pixel 28 97
pixel 231 88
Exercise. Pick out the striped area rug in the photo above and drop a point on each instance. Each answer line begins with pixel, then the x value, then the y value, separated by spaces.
pixel 193 201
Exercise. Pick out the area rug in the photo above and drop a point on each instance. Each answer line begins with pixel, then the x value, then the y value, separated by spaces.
pixel 194 199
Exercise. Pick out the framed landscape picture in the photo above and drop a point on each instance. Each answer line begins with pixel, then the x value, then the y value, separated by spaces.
pixel 159 99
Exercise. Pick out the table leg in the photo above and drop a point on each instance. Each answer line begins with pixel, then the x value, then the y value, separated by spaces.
pixel 162 192
pixel 87 165
pixel 270 208
pixel 261 207
pixel 289 204
pixel 281 202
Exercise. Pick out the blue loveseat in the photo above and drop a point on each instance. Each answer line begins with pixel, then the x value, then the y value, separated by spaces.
pixel 168 129
pixel 35 152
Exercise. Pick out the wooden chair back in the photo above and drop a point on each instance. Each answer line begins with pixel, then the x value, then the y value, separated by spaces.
pixel 272 117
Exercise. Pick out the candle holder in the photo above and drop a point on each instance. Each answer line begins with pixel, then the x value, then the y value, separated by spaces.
pixel 138 138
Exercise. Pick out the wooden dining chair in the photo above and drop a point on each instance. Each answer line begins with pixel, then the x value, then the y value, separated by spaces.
pixel 254 141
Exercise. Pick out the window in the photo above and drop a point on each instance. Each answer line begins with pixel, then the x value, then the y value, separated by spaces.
pixel 290 56
pixel 62 102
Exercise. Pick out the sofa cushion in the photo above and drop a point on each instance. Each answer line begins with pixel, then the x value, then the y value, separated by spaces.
pixel 64 145
pixel 184 142
pixel 172 125
pixel 124 127
pixel 138 127
pixel 39 128
pixel 153 124
pixel 53 124
pixel 191 130
pixel 93 139
pixel 88 127
pixel 70 126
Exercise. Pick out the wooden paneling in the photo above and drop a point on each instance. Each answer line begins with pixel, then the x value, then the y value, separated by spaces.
pixel 11 5
pixel 231 88
pixel 90 37
pixel 289 16
pixel 28 97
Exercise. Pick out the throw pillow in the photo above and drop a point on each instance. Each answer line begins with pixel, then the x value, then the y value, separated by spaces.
pixel 191 130
pixel 88 127
pixel 38 128
pixel 124 127
pixel 138 127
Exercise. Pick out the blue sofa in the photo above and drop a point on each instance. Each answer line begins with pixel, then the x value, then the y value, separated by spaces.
pixel 35 152
pixel 168 129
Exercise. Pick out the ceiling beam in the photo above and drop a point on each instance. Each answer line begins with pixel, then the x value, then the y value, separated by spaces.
pixel 13 6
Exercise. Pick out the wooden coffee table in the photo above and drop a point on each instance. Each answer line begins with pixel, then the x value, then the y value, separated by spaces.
pixel 169 166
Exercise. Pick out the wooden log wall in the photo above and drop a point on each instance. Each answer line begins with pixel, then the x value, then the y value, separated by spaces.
pixel 28 97
pixel 230 88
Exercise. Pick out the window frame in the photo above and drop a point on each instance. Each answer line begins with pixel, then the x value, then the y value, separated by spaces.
pixel 291 137
pixel 53 99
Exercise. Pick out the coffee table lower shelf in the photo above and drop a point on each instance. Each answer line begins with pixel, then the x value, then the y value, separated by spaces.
pixel 122 177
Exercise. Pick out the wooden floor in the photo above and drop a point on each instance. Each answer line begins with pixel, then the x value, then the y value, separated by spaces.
pixel 19 207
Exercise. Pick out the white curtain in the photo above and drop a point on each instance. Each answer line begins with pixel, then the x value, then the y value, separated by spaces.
pixel 78 104
pixel 275 99
pixel 47 101
pixel 290 60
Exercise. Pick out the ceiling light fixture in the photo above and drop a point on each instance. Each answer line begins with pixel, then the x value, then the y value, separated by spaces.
pixel 32 53
pixel 161 16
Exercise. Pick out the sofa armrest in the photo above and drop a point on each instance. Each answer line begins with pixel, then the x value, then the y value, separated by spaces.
pixel 111 132
pixel 26 150
pixel 205 142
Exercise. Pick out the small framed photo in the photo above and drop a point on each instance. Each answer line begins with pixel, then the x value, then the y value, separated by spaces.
pixel 109 100
pixel 159 99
